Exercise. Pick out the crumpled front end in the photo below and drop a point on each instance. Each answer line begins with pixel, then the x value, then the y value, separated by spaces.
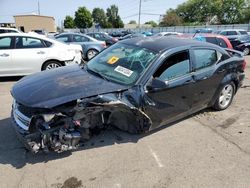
pixel 66 126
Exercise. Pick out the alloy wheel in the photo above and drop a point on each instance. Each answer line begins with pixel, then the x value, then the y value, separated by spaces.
pixel 52 66
pixel 226 96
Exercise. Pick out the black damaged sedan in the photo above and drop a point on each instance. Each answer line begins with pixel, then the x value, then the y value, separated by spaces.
pixel 135 85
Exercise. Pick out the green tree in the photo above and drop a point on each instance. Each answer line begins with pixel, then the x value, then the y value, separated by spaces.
pixel 83 18
pixel 171 19
pixel 213 12
pixel 100 17
pixel 68 22
pixel 113 17
pixel 152 23
pixel 132 22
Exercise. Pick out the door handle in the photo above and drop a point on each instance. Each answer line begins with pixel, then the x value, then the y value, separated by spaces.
pixel 41 52
pixel 204 78
pixel 4 55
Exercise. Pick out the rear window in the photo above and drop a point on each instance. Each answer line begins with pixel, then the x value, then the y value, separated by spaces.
pixel 222 43
pixel 243 32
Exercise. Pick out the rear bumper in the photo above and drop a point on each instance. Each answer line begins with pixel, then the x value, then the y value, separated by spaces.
pixel 241 79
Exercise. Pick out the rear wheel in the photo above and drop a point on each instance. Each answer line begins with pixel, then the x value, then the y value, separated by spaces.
pixel 51 65
pixel 246 51
pixel 91 53
pixel 225 97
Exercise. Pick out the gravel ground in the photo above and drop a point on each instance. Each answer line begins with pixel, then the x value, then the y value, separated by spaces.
pixel 209 149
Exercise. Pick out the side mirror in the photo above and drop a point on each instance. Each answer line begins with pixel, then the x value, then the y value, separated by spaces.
pixel 156 84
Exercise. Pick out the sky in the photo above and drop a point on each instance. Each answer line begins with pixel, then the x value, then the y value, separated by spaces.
pixel 128 9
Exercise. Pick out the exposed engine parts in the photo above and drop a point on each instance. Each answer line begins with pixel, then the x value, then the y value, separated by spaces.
pixel 66 127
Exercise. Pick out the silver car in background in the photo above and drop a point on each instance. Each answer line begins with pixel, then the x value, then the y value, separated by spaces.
pixel 90 46
pixel 22 54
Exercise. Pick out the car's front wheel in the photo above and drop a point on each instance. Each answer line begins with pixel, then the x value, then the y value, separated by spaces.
pixel 246 51
pixel 91 53
pixel 225 97
pixel 51 65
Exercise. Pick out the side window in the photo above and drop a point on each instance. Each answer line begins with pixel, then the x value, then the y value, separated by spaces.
pixel 28 42
pixel 79 38
pixel 224 33
pixel 222 43
pixel 63 38
pixel 12 31
pixel 174 66
pixel 211 40
pixel 5 43
pixel 98 36
pixel 47 43
pixel 231 33
pixel 2 31
pixel 204 58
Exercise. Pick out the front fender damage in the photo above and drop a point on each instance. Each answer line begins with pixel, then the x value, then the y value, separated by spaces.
pixel 76 122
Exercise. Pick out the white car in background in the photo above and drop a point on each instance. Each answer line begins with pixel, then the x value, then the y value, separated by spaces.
pixel 9 30
pixel 168 33
pixel 23 54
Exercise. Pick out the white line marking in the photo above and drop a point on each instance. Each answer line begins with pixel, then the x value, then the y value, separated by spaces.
pixel 158 161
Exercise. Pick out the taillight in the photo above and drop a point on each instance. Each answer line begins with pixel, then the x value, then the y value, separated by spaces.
pixel 244 64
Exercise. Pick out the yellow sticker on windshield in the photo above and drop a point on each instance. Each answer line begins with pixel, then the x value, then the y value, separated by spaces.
pixel 113 60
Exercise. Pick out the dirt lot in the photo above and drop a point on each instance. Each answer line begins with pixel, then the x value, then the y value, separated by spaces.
pixel 210 149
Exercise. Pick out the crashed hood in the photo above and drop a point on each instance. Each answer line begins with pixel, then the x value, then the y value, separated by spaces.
pixel 51 88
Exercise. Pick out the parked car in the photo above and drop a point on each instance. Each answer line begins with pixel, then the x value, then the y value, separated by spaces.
pixel 168 34
pixel 129 36
pixel 136 85
pixel 8 30
pixel 40 31
pixel 23 54
pixel 104 37
pixel 147 33
pixel 90 46
pixel 219 40
pixel 242 44
pixel 116 34
pixel 204 30
pixel 232 34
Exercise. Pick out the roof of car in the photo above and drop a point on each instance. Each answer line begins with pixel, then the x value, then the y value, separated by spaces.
pixel 210 35
pixel 160 43
pixel 233 30
pixel 8 28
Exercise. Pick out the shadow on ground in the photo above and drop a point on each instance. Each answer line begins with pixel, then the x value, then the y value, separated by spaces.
pixel 13 153
pixel 11 78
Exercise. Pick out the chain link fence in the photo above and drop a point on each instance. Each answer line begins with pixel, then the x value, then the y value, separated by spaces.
pixel 180 29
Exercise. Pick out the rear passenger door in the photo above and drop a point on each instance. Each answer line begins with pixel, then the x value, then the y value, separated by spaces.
pixel 205 76
pixel 29 54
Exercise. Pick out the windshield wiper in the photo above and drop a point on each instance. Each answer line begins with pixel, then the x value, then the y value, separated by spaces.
pixel 96 73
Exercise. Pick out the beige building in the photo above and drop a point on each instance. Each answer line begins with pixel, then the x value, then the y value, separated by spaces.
pixel 28 23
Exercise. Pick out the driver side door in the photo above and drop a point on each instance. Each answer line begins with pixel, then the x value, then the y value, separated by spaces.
pixel 174 100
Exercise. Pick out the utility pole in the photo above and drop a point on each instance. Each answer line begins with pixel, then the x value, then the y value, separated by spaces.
pixel 38 8
pixel 139 19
